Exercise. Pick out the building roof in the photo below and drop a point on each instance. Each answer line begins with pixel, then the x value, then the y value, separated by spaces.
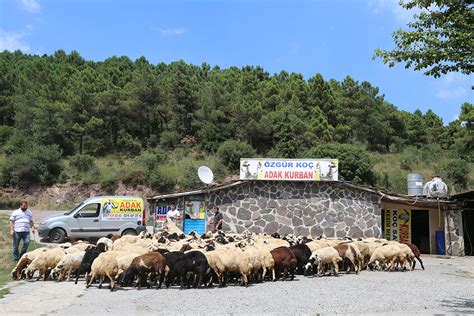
pixel 468 195
pixel 384 194
pixel 209 188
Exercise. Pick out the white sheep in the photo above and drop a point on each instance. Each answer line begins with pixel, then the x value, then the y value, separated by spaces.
pixel 320 257
pixel 47 259
pixel 67 264
pixel 385 255
pixel 104 265
pixel 107 242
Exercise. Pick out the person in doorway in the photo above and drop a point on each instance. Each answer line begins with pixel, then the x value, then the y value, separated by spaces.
pixel 215 223
pixel 174 214
pixel 21 221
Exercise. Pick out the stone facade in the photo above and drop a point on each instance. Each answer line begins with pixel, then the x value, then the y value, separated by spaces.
pixel 453 233
pixel 299 208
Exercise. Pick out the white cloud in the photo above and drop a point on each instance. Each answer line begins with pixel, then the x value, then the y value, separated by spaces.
pixel 13 41
pixel 400 14
pixel 177 31
pixel 451 93
pixel 31 6
pixel 454 86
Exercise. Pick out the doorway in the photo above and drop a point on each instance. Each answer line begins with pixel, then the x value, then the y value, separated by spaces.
pixel 420 230
pixel 468 228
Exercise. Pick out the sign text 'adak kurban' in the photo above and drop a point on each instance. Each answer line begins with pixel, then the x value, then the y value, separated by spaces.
pixel 289 169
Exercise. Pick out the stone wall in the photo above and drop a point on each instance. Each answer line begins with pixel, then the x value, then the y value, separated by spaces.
pixel 453 233
pixel 300 208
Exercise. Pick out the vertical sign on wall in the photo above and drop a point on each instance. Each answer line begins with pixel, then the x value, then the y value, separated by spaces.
pixel 398 225
pixel 388 224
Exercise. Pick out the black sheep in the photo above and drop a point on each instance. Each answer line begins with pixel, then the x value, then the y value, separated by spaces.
pixel 92 252
pixel 302 254
pixel 195 262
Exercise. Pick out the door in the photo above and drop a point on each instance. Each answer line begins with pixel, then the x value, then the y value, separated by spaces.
pixel 468 228
pixel 86 221
pixel 420 230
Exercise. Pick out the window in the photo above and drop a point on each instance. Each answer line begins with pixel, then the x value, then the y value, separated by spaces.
pixel 90 210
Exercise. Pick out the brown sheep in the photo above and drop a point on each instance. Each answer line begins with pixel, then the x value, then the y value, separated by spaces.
pixel 284 260
pixel 144 264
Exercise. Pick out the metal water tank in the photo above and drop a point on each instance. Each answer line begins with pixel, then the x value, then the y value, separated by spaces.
pixel 415 184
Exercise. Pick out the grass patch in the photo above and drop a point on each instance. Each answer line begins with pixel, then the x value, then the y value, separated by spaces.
pixel 6 260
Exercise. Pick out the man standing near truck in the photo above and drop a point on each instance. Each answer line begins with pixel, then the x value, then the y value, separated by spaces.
pixel 21 221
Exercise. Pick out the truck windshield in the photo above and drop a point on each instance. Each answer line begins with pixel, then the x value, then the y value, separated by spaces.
pixel 77 207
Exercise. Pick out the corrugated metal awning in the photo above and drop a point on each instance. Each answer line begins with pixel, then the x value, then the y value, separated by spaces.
pixel 201 191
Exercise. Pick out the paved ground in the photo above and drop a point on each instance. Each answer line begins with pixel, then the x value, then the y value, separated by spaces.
pixel 446 286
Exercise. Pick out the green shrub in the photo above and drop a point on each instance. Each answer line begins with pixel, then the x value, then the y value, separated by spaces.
pixel 128 144
pixel 169 139
pixel 163 178
pixel 355 163
pixel 109 184
pixel 36 165
pixel 82 163
pixel 231 151
pixel 455 172
pixel 188 176
pixel 5 133
pixel 133 177
pixel 150 159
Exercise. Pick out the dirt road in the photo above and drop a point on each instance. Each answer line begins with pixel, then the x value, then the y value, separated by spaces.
pixel 447 285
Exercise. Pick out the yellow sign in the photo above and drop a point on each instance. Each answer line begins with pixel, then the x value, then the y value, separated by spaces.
pixel 398 225
pixel 122 208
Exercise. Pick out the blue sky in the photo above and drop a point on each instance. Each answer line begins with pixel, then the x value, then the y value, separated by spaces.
pixel 333 37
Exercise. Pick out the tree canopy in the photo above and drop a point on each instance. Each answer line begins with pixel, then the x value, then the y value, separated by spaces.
pixel 439 39
pixel 61 106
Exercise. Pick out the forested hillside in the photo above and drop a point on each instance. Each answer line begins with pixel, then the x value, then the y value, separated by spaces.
pixel 67 119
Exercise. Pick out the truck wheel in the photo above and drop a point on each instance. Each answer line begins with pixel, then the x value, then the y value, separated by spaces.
pixel 129 231
pixel 57 235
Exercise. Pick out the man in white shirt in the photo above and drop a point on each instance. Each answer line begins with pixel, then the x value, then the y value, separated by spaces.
pixel 21 221
pixel 174 214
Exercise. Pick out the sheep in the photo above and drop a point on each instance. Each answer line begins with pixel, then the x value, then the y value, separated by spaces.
pixel 108 243
pixel 320 257
pixel 364 249
pixel 349 253
pixel 140 266
pixel 302 254
pixel 284 260
pixel 405 255
pixel 44 261
pixel 171 227
pixel 171 258
pixel 24 261
pixel 192 262
pixel 416 253
pixel 260 258
pixel 386 254
pixel 68 263
pixel 79 246
pixel 104 265
pixel 124 260
pixel 271 243
pixel 223 261
pixel 317 244
pixel 92 252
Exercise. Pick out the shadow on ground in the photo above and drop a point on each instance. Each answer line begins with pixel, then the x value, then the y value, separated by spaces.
pixel 459 304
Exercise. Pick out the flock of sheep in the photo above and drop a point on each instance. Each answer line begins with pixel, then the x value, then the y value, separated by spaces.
pixel 193 260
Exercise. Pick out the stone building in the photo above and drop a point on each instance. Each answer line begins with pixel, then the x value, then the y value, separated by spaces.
pixel 333 209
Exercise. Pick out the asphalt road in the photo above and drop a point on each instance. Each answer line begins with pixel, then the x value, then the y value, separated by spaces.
pixel 446 286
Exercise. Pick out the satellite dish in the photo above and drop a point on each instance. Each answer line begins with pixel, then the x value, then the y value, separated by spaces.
pixel 205 174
